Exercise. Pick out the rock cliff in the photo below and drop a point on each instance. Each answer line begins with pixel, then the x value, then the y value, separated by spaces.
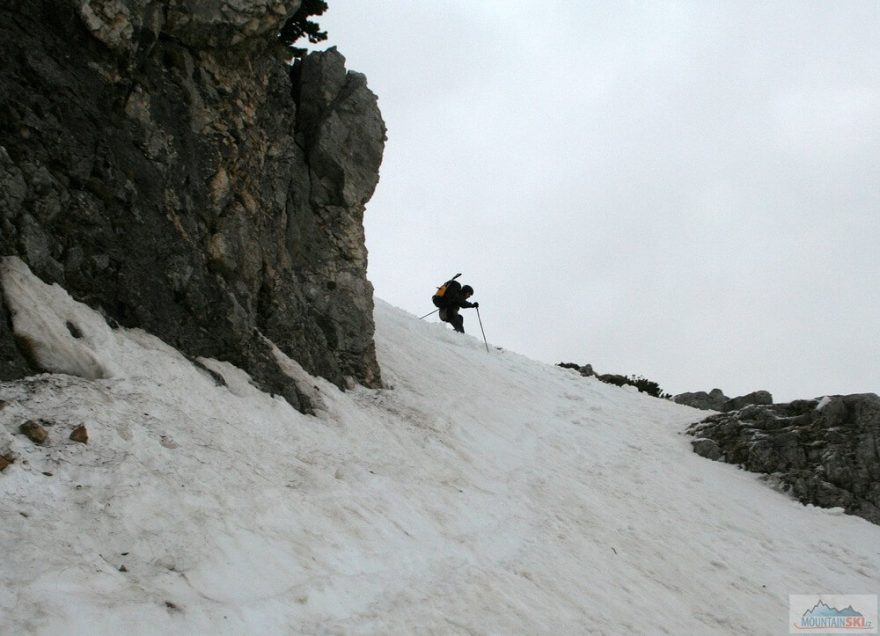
pixel 825 452
pixel 164 163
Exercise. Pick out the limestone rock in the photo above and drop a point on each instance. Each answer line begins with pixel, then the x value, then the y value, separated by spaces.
pixel 122 24
pixel 757 397
pixel 825 452
pixel 711 401
pixel 707 448
pixel 161 162
pixel 80 434
pixel 34 432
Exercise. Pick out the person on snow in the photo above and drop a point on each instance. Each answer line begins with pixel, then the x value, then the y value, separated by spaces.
pixel 454 298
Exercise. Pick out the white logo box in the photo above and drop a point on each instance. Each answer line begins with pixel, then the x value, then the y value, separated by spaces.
pixel 832 614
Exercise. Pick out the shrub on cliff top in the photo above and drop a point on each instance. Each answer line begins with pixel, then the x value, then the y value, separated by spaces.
pixel 299 25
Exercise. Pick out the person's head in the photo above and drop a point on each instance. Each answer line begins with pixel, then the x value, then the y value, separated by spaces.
pixel 468 291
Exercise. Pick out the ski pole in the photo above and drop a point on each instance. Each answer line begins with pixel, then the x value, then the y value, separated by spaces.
pixel 481 329
pixel 426 315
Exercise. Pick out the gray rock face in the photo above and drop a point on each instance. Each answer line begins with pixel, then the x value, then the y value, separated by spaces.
pixel 120 24
pixel 826 452
pixel 711 401
pixel 757 397
pixel 164 163
pixel 715 400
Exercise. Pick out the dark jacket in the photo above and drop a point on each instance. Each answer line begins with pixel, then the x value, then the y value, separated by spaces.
pixel 454 297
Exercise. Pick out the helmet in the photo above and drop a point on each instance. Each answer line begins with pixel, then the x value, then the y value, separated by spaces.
pixel 467 290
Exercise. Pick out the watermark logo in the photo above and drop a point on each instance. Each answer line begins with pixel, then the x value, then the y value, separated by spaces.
pixel 832 613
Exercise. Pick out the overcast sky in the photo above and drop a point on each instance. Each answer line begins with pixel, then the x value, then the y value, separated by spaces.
pixel 688 191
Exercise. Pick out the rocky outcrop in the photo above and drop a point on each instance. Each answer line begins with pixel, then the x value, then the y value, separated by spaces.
pixel 825 452
pixel 756 397
pixel 163 163
pixel 711 401
pixel 715 400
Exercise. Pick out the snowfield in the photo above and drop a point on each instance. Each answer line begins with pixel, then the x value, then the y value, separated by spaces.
pixel 480 493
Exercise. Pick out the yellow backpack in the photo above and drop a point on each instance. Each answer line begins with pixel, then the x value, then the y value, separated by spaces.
pixel 439 298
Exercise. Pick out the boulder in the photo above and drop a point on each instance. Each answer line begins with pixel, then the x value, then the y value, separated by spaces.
pixel 711 401
pixel 34 431
pixel 80 434
pixel 707 448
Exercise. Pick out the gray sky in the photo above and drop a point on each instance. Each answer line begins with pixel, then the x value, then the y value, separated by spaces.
pixel 688 191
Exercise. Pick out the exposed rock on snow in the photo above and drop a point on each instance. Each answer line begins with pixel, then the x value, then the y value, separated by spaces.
pixel 585 370
pixel 80 434
pixel 825 452
pixel 708 448
pixel 711 401
pixel 34 432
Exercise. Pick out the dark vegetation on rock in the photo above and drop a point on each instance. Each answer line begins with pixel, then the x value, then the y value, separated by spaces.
pixel 644 385
pixel 301 25
pixel 163 163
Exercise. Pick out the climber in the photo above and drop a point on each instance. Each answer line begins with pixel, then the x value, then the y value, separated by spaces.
pixel 450 297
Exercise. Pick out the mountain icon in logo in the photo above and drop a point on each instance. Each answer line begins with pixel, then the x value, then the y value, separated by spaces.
pixel 820 609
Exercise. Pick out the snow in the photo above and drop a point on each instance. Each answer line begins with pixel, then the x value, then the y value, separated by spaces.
pixel 41 317
pixel 480 493
pixel 825 401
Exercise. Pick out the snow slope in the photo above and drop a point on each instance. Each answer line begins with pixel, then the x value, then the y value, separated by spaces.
pixel 482 493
